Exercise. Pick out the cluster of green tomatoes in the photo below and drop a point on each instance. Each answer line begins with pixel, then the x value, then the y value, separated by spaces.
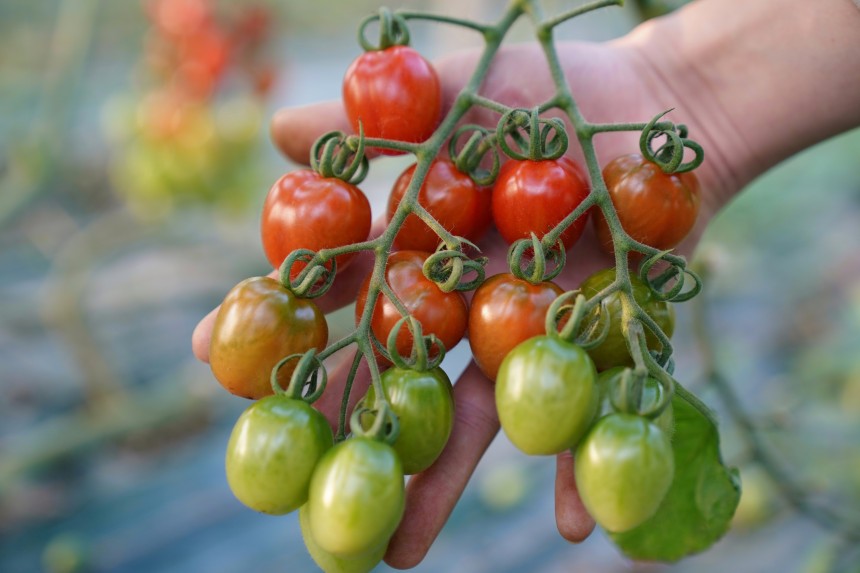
pixel 565 377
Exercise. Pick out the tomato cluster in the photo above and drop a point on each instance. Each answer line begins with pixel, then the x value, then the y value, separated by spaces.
pixel 187 133
pixel 569 370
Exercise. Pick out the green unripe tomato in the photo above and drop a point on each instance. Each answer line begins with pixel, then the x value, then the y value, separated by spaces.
pixel 331 563
pixel 356 498
pixel 424 405
pixel 652 393
pixel 623 469
pixel 546 395
pixel 613 351
pixel 273 450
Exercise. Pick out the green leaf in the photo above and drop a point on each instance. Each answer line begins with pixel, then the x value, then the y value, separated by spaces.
pixel 700 504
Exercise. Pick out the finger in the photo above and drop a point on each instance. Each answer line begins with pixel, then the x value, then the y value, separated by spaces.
pixel 343 292
pixel 573 521
pixel 295 129
pixel 432 495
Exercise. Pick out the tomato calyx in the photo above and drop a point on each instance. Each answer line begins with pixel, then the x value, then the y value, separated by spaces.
pixel 342 156
pixel 545 137
pixel 316 276
pixel 530 261
pixel 669 156
pixel 421 356
pixel 628 393
pixel 677 271
pixel 570 317
pixel 393 31
pixel 308 380
pixel 470 157
pixel 385 426
pixel 446 267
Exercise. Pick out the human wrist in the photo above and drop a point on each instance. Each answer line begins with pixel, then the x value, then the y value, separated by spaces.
pixel 755 81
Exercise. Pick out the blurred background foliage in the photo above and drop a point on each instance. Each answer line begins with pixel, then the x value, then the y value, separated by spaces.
pixel 134 159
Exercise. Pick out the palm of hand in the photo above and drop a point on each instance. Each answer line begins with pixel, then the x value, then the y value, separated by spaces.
pixel 608 88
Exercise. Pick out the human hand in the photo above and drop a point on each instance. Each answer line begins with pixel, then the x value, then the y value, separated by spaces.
pixel 623 96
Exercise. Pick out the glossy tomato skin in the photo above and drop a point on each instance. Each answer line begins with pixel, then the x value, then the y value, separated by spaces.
pixel 331 563
pixel 534 196
pixel 356 498
pixel 458 203
pixel 652 393
pixel 440 313
pixel 424 404
pixel 613 351
pixel 273 450
pixel 395 94
pixel 624 467
pixel 655 208
pixel 258 324
pixel 504 312
pixel 546 395
pixel 305 210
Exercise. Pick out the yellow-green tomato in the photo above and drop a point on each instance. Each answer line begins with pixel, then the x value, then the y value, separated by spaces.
pixel 356 497
pixel 652 393
pixel 424 404
pixel 331 563
pixel 623 469
pixel 613 351
pixel 546 395
pixel 258 324
pixel 273 450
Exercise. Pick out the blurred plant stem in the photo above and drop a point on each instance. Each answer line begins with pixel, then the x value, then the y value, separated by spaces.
pixel 65 301
pixel 33 162
pixel 843 523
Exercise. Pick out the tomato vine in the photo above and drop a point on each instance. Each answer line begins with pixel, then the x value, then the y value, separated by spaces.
pixel 627 310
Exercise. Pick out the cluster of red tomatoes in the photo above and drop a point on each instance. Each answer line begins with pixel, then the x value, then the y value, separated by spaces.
pixel 549 395
pixel 189 135
pixel 193 50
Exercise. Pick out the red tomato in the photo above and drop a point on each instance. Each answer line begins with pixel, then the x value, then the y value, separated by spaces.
pixel 441 313
pixel 457 202
pixel 305 210
pixel 534 196
pixel 395 93
pixel 259 323
pixel 505 311
pixel 655 208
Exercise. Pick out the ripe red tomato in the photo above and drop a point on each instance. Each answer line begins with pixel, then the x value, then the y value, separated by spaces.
pixel 655 208
pixel 534 196
pixel 505 311
pixel 395 93
pixel 259 323
pixel 305 210
pixel 441 313
pixel 458 203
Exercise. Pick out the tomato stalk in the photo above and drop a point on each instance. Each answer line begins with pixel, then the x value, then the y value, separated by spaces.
pixel 547 138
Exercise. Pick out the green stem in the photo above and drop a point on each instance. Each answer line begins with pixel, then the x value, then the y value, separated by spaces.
pixel 425 153
pixel 596 128
pixel 578 11
pixel 410 15
pixel 347 390
pixel 481 101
